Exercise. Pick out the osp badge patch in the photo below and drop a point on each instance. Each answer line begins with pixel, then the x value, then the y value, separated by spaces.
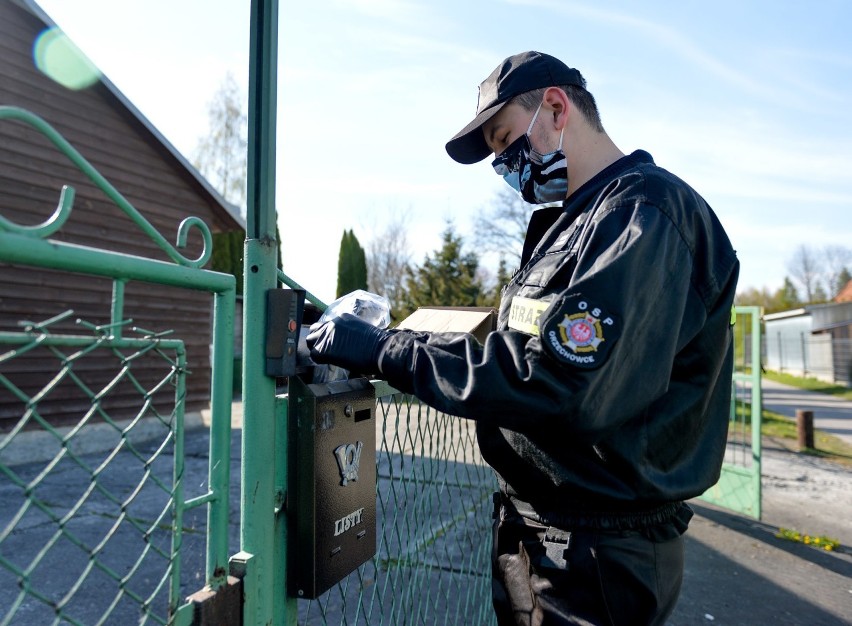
pixel 579 332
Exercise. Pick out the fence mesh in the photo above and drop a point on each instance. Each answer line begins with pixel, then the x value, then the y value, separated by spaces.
pixel 100 536
pixel 434 527
pixel 92 528
pixel 739 450
pixel 739 487
pixel 89 527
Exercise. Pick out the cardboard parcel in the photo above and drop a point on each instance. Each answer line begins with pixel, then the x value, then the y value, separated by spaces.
pixel 478 321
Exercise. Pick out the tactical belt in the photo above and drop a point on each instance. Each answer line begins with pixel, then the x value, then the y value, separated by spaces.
pixel 593 520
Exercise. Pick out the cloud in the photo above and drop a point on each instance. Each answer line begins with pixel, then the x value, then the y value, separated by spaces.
pixel 655 33
pixel 392 10
pixel 815 81
pixel 742 150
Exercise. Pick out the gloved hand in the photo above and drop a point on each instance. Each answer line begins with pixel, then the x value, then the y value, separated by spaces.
pixel 347 341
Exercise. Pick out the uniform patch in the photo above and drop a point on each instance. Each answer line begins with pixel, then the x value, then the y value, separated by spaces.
pixel 524 314
pixel 579 332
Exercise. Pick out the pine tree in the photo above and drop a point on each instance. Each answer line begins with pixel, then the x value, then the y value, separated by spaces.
pixel 787 297
pixel 351 265
pixel 227 255
pixel 842 279
pixel 503 278
pixel 447 278
pixel 819 296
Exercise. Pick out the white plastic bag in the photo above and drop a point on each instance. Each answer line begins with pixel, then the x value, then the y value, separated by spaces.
pixel 370 307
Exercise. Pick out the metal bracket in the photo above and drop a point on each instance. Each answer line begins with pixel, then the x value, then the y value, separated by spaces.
pixel 284 308
pixel 556 543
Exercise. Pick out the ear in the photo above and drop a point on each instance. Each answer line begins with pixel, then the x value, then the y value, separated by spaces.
pixel 558 104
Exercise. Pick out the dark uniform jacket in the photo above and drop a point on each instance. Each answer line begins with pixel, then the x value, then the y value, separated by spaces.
pixel 606 387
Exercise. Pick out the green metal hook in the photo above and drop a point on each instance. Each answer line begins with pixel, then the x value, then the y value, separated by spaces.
pixel 50 225
pixel 66 198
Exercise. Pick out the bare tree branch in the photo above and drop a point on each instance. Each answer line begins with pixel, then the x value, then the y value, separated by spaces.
pixel 837 260
pixel 221 155
pixel 804 269
pixel 503 227
pixel 388 260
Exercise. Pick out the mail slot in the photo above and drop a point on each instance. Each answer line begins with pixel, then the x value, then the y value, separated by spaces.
pixel 332 507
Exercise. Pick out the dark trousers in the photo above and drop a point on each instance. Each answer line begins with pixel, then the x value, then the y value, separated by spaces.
pixel 545 576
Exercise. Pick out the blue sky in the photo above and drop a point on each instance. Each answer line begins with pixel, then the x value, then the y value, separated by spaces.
pixel 750 102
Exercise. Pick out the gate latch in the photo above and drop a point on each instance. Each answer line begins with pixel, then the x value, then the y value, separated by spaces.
pixel 284 309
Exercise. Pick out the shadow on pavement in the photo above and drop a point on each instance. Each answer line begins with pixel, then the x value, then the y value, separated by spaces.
pixel 766 533
pixel 737 573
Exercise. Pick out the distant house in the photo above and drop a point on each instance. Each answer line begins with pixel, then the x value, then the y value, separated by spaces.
pixel 815 341
pixel 845 294
pixel 141 164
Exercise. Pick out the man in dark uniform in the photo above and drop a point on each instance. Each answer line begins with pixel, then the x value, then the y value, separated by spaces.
pixel 602 398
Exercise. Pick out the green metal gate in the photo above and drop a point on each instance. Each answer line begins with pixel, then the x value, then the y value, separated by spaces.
pixel 100 535
pixel 738 488
pixel 115 535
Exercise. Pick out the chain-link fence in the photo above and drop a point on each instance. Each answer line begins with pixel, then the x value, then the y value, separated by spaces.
pixel 434 527
pixel 91 525
pixel 96 523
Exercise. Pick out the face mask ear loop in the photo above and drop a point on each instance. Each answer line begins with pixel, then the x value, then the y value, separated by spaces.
pixel 534 118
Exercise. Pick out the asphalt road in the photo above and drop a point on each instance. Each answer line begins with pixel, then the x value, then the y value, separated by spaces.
pixel 831 414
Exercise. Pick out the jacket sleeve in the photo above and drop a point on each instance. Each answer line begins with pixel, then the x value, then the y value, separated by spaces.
pixel 633 269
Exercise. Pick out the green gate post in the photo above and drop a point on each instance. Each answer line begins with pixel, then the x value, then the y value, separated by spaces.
pixel 261 566
pixel 756 314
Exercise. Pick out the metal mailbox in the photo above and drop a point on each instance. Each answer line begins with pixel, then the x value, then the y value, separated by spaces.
pixel 332 506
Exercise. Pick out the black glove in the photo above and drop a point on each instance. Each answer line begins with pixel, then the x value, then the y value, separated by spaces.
pixel 347 341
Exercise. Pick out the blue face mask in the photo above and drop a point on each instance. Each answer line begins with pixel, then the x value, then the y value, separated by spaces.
pixel 538 178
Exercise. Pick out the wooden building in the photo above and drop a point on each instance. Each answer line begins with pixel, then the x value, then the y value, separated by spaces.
pixel 150 173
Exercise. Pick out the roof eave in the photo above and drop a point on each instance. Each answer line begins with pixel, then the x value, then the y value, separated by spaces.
pixel 231 209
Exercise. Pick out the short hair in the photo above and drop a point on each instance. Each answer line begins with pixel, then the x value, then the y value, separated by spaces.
pixel 579 97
